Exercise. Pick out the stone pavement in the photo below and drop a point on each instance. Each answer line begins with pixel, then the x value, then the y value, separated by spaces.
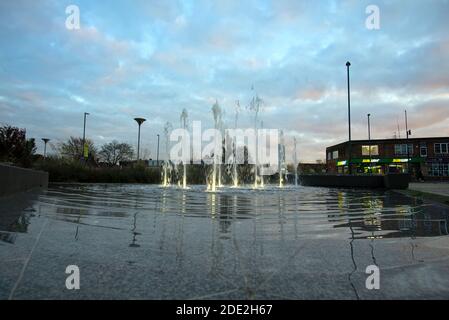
pixel 146 242
pixel 439 188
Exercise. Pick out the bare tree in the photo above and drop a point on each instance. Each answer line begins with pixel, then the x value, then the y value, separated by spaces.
pixel 114 152
pixel 73 148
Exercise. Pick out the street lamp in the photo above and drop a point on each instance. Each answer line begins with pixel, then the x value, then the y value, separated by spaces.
pixel 369 140
pixel 157 154
pixel 348 64
pixel 84 136
pixel 407 133
pixel 45 146
pixel 369 128
pixel 139 122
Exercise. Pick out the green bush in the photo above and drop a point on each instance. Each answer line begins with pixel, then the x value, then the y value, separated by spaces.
pixel 15 147
pixel 67 170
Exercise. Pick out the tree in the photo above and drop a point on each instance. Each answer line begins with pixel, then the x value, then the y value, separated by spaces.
pixel 114 152
pixel 73 148
pixel 14 147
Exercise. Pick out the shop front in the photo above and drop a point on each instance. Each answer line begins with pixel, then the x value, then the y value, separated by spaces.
pixel 381 165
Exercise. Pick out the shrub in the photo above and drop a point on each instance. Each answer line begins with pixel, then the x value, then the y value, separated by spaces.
pixel 68 170
pixel 14 147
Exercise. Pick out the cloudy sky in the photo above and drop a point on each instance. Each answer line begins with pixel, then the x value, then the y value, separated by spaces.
pixel 153 58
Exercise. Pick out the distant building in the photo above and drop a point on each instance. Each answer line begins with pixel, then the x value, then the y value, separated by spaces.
pixel 426 158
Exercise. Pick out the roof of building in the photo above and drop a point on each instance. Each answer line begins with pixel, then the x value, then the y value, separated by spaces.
pixel 390 140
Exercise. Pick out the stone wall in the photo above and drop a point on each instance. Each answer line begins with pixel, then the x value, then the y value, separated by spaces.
pixel 389 181
pixel 15 179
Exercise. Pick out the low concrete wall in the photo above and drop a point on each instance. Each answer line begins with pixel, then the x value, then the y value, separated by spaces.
pixel 390 181
pixel 396 180
pixel 14 179
pixel 342 181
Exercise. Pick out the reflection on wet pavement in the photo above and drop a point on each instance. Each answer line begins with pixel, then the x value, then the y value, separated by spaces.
pixel 142 241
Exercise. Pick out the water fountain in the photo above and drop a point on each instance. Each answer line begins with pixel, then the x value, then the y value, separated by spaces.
pixel 167 170
pixel 281 158
pixel 216 111
pixel 221 130
pixel 183 118
pixel 261 168
pixel 295 162
pixel 255 105
pixel 235 177
pixel 233 174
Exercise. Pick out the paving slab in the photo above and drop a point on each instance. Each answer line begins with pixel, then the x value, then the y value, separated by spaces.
pixel 148 242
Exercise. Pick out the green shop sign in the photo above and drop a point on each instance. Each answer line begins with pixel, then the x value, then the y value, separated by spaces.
pixel 381 161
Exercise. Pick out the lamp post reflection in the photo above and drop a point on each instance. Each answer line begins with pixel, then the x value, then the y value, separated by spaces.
pixel 133 243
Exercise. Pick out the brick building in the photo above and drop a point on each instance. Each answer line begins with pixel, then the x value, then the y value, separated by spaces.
pixel 425 157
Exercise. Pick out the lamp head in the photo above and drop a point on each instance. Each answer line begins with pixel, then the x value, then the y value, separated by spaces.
pixel 140 120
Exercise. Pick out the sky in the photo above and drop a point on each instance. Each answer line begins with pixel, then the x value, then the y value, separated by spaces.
pixel 152 59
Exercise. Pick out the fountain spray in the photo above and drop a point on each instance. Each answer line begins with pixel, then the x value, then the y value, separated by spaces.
pixel 281 155
pixel 255 106
pixel 262 183
pixel 167 167
pixel 235 176
pixel 220 164
pixel 183 118
pixel 216 111
pixel 296 162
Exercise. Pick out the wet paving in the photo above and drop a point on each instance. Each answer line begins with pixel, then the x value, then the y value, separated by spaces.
pixel 441 188
pixel 148 242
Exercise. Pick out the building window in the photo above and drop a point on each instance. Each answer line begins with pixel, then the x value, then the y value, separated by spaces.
pixel 441 148
pixel 439 170
pixel 335 154
pixel 366 150
pixel 401 149
pixel 423 149
pixel 329 156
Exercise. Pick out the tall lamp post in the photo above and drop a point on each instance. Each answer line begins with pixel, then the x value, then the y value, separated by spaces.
pixel 139 122
pixel 407 133
pixel 348 64
pixel 84 136
pixel 157 154
pixel 369 141
pixel 45 146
